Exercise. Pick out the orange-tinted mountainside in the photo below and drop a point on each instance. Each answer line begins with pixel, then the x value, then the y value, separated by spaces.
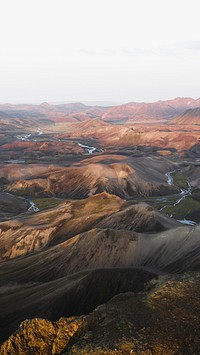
pixel 162 124
pixel 168 136
pixel 28 234
pixel 160 110
pixel 117 174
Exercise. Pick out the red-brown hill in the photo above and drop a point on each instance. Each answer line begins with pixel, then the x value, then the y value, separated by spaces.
pixel 189 117
pixel 142 112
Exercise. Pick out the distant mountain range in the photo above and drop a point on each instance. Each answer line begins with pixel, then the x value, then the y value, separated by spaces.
pixel 159 110
pixel 125 113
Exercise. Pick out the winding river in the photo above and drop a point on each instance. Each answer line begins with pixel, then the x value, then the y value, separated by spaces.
pixel 27 138
pixel 90 150
pixel 182 195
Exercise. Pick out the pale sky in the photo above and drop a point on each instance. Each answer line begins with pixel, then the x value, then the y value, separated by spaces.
pixel 101 50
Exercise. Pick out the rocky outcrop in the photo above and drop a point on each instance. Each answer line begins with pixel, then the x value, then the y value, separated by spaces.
pixel 159 322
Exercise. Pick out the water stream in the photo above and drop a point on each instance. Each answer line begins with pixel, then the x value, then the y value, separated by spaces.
pixel 90 150
pixel 27 137
pixel 14 161
pixel 33 207
pixel 87 148
pixel 182 195
pixel 170 179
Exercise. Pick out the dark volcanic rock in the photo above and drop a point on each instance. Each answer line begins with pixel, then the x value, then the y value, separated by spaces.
pixel 162 322
pixel 76 294
pixel 11 205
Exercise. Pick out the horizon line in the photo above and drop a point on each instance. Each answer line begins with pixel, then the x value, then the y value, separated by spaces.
pixel 95 102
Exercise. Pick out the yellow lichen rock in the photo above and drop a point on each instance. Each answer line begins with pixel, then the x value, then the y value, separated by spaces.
pixel 162 321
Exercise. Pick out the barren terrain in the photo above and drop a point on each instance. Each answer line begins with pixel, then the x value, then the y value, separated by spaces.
pixel 96 203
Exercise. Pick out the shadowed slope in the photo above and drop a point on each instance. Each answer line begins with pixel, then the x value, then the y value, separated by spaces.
pixel 175 251
pixel 72 295
pixel 11 205
pixel 189 117
pixel 140 218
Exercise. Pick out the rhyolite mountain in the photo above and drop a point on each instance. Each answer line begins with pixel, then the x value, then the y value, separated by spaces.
pixel 159 110
pixel 99 228
pixel 74 112
pixel 189 117
pixel 28 234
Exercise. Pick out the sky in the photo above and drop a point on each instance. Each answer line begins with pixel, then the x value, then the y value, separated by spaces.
pixel 92 50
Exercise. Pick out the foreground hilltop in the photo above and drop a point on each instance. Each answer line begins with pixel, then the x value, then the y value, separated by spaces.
pixel 160 321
